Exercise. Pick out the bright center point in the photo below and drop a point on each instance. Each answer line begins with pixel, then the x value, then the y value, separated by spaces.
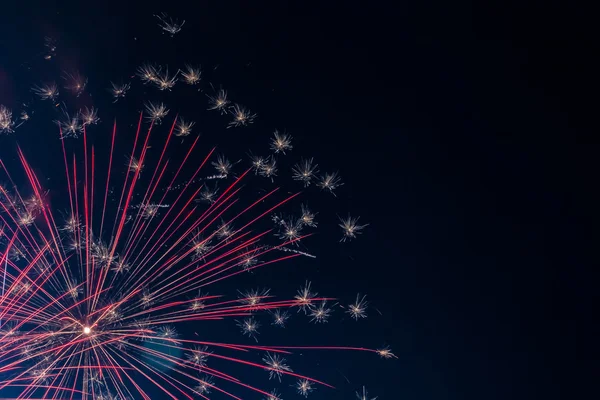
pixel 87 330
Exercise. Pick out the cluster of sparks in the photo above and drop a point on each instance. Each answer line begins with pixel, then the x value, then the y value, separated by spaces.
pixel 73 323
pixel 306 171
pixel 92 299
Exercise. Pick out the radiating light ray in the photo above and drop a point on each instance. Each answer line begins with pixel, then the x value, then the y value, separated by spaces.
pixel 90 305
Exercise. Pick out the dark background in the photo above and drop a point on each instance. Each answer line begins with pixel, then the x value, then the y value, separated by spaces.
pixel 463 134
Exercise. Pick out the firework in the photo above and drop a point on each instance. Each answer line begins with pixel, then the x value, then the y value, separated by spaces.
pixel 97 303
pixel 191 75
pixel 281 142
pixel 305 171
pixel 116 304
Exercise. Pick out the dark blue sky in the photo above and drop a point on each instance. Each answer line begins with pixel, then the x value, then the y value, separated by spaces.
pixel 462 136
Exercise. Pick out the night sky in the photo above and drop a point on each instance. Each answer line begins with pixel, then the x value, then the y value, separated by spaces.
pixel 461 134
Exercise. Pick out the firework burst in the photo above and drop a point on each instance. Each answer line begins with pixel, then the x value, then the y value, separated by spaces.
pixel 99 301
pixel 115 305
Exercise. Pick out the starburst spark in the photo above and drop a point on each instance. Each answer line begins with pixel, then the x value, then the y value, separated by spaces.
pixel 257 163
pixel 307 217
pixel 25 116
pixel 208 194
pixel 305 171
pixel 119 91
pixel 183 127
pixel 253 297
pixel 330 182
pixel 358 309
pixel 99 303
pixel 304 298
pixel 191 75
pixel 304 387
pixel 200 247
pixel 199 356
pixel 249 327
pixel 156 112
pixel 290 230
pixel 280 318
pixel 321 313
pixel 198 302
pixel 70 126
pixel 222 165
pixel 168 24
pixel 386 352
pixel 268 169
pixel 47 91
pixel 120 267
pixel 89 116
pixel 249 258
pixel 281 142
pixel 75 83
pixel 26 219
pixel 148 73
pixel 351 228
pixel 204 386
pixel 275 365
pixel 219 102
pixel 135 165
pixel 163 81
pixel 150 210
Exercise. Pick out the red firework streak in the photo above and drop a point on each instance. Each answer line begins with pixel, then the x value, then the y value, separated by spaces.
pixel 75 311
